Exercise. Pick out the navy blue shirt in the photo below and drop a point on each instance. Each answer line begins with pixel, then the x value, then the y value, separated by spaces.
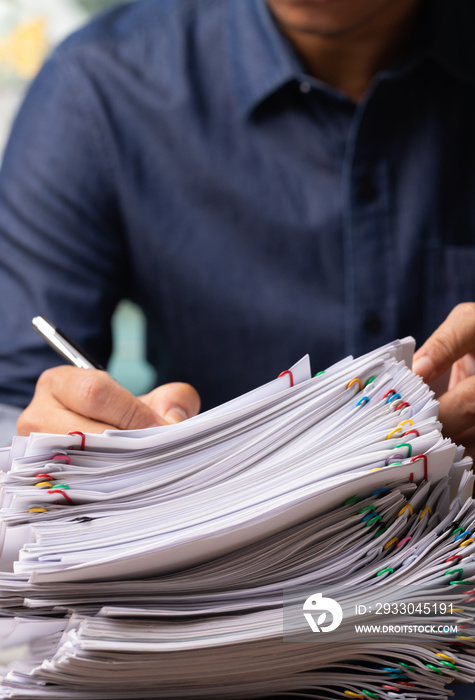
pixel 175 152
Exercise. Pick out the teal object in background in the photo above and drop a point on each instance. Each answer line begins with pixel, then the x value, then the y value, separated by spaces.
pixel 128 364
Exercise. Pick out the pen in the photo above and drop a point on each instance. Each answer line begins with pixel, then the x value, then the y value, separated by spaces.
pixel 63 345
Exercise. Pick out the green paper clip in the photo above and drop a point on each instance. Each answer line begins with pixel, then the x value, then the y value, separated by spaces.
pixel 405 444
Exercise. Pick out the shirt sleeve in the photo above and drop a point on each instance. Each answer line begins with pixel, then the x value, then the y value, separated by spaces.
pixel 62 248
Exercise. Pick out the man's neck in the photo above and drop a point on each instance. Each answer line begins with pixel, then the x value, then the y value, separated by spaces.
pixel 350 59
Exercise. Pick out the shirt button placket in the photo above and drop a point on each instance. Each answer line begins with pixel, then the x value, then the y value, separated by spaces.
pixel 367 236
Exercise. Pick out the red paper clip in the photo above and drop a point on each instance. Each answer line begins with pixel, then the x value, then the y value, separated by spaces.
pixel 424 457
pixel 64 458
pixel 83 437
pixel 389 393
pixel 287 371
pixel 411 431
pixel 457 556
pixel 63 493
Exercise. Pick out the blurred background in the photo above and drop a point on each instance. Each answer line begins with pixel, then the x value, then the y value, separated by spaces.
pixel 29 30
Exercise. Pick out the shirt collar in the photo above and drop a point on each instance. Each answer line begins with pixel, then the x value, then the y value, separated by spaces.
pixel 263 61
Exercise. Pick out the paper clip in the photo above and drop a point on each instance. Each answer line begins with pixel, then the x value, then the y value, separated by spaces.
pixel 449 664
pixel 379 532
pixel 465 532
pixel 405 444
pixel 354 695
pixel 394 540
pixel 457 529
pixel 356 380
pixel 399 427
pixel 466 542
pixel 63 458
pixel 393 397
pixel 389 570
pixel 396 430
pixel 410 668
pixel 398 455
pixel 282 374
pixel 364 399
pixel 63 493
pixel 424 457
pixel 457 556
pixel 454 571
pixel 37 510
pixel 378 492
pixel 388 393
pixel 427 509
pixel 434 668
pixel 83 437
pixel 444 656
pixel 408 507
pixel 353 499
pixel 408 420
pixel 403 542
pixel 44 485
pixel 44 476
pixel 370 381
pixel 401 405
pixel 409 432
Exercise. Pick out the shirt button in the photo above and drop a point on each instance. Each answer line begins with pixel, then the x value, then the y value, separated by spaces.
pixel 367 189
pixel 373 323
pixel 305 87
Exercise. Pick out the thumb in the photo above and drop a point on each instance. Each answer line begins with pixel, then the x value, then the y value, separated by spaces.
pixel 453 339
pixel 174 402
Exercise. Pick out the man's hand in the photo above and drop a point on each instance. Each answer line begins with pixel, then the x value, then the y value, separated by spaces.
pixel 68 398
pixel 452 345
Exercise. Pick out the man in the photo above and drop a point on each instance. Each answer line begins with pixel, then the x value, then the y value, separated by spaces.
pixel 265 178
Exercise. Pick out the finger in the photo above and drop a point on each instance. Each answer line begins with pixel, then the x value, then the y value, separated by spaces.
pixel 95 395
pixel 57 419
pixel 454 338
pixel 175 402
pixel 457 408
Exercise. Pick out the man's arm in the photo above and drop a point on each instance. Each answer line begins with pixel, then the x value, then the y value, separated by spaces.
pixel 64 256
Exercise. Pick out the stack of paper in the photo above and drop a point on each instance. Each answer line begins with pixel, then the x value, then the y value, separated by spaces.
pixel 314 535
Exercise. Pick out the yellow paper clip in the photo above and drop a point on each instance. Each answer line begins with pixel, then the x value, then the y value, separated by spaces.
pixel 396 430
pixel 403 510
pixel 356 380
pixel 427 509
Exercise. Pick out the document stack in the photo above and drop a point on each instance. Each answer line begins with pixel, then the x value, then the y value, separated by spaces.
pixel 312 538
